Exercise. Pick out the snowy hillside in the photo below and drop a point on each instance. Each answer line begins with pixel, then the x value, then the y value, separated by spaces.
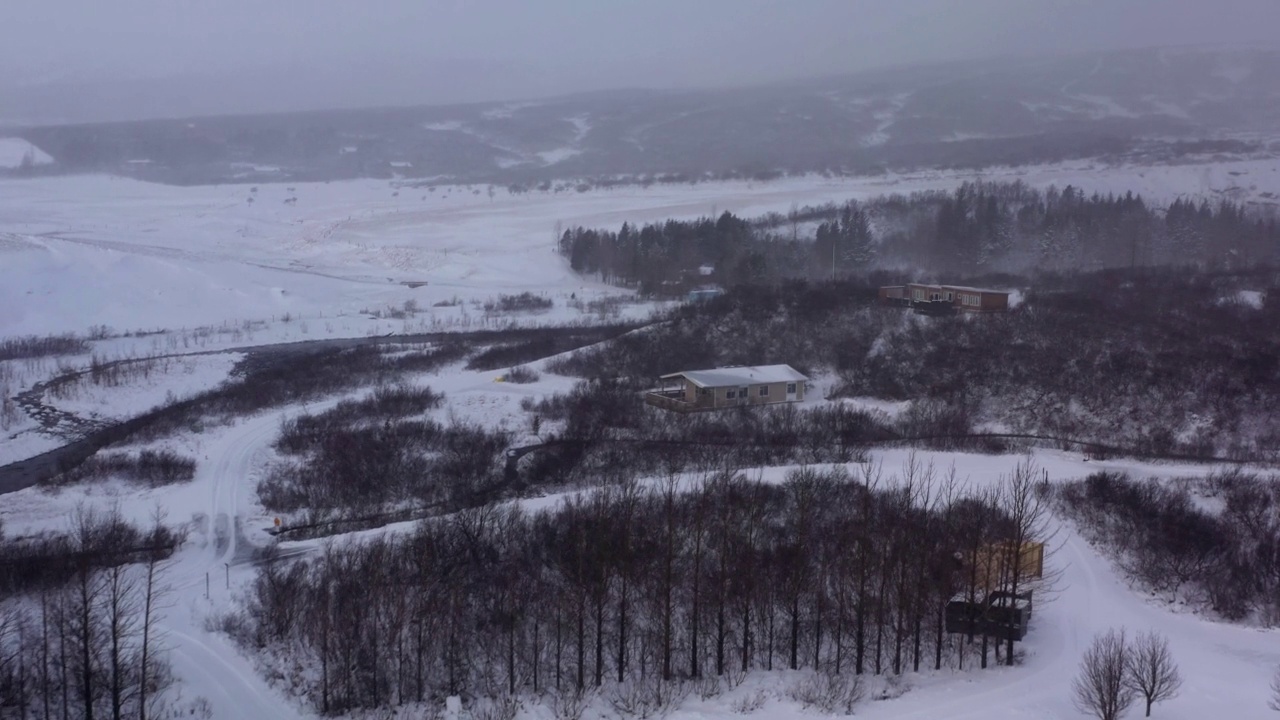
pixel 16 152
pixel 1142 104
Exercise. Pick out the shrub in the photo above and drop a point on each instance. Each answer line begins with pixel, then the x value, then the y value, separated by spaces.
pixel 522 375
pixel 152 468
pixel 525 301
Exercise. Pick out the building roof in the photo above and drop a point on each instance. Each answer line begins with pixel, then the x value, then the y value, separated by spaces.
pixel 962 288
pixel 736 376
pixel 974 289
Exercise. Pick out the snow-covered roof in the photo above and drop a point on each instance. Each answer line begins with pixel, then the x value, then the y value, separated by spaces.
pixel 974 289
pixel 962 288
pixel 735 376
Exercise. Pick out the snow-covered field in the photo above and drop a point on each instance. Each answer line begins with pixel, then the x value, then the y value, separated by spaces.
pixel 217 271
pixel 94 250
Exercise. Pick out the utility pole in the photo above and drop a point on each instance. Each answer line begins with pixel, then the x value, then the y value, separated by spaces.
pixel 228 567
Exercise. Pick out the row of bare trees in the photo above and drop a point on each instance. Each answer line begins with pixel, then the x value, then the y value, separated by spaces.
pixel 81 640
pixel 842 575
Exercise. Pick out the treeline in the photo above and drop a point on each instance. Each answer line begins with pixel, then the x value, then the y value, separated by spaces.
pixel 977 228
pixel 840 575
pixel 78 616
pixel 1166 539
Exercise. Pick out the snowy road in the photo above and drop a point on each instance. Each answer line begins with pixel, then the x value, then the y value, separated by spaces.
pixel 206 663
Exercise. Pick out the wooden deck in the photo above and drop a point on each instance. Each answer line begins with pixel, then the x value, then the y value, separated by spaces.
pixel 674 401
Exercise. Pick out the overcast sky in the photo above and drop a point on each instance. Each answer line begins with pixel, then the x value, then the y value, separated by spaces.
pixel 286 54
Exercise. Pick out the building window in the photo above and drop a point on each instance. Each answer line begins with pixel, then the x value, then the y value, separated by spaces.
pixel 791 388
pixel 730 394
pixel 764 391
pixel 704 391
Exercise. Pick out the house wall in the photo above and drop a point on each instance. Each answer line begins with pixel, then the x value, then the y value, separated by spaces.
pixel 693 397
pixel 777 394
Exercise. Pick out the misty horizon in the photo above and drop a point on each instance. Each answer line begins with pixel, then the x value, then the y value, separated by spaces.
pixel 74 61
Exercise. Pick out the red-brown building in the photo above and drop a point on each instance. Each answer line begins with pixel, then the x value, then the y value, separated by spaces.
pixel 961 298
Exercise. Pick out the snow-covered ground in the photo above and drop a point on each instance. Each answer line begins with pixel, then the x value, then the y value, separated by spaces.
pixel 95 250
pixel 142 385
pixel 1227 667
pixel 217 271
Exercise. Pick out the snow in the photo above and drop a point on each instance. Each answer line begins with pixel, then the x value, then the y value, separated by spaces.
pixel 746 375
pixel 220 272
pixel 82 251
pixel 1105 107
pixel 15 151
pixel 551 157
pixel 1227 668
pixel 1251 298
pixel 886 118
pixel 166 380
pixel 443 126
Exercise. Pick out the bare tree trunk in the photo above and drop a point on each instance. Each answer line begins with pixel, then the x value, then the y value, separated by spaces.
pixel 147 619
pixel 44 652
pixel 86 637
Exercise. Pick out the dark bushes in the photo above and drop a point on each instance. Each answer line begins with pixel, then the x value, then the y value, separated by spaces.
pixel 521 375
pixel 1163 537
pixel 95 541
pixel 149 467
pixel 524 302
pixel 614 432
pixel 361 458
pixel 542 344
pixel 285 379
pixel 34 346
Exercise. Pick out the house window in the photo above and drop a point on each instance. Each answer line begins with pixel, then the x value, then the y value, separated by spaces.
pixel 704 391
pixel 791 388
pixel 730 394
pixel 764 391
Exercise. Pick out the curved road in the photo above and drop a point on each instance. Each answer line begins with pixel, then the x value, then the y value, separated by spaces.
pixel 208 663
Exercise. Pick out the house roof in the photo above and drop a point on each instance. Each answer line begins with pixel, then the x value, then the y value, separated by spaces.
pixel 735 376
pixel 974 289
pixel 962 288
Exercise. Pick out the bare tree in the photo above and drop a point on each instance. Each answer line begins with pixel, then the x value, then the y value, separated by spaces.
pixel 1102 688
pixel 1030 515
pixel 1151 671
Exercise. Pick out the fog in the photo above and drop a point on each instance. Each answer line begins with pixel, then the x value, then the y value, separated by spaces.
pixel 80 60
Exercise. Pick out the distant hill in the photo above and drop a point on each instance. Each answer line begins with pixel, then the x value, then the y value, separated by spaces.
pixel 1150 105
